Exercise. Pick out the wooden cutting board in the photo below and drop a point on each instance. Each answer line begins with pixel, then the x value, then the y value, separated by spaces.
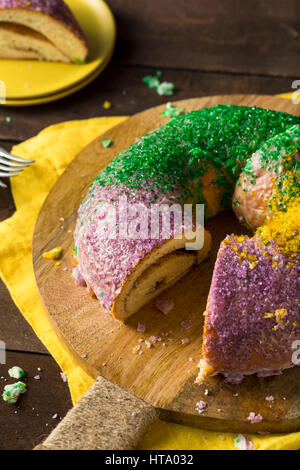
pixel 163 375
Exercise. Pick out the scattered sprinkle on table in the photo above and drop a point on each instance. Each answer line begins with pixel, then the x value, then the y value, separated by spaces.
pixel 162 88
pixel 106 105
pixel 243 443
pixel 63 377
pixel 8 119
pixel 37 377
pixel 269 398
pixel 16 372
pixel 152 81
pixel 106 143
pixel 171 111
pixel 165 89
pixel 13 391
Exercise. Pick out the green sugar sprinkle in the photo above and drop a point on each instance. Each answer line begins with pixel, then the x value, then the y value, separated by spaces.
pixel 165 89
pixel 8 119
pixel 16 372
pixel 152 81
pixel 171 111
pixel 80 61
pixel 177 154
pixel 106 143
pixel 162 88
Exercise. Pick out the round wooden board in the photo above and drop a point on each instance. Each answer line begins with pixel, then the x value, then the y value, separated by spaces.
pixel 162 375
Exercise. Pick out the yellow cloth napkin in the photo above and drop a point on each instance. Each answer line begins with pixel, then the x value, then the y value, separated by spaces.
pixel 53 149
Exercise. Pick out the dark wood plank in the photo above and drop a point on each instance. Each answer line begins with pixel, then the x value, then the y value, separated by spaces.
pixel 253 37
pixel 124 88
pixel 29 421
pixel 7 206
pixel 14 329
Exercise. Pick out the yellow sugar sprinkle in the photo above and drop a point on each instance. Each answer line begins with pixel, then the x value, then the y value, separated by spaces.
pixel 280 313
pixel 136 349
pixel 53 254
pixel 295 323
pixel 253 264
pixel 284 229
pixel 106 104
pixel 268 315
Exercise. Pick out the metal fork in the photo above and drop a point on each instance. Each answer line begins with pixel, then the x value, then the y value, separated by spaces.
pixel 11 165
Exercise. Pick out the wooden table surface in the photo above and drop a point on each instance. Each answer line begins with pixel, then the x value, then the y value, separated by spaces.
pixel 205 47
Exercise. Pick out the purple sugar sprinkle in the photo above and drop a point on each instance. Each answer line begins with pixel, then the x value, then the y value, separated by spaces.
pixel 253 418
pixel 238 300
pixel 269 398
pixel 141 328
pixel 185 341
pixel 37 377
pixel 186 324
pixel 153 339
pixel 104 262
pixel 63 376
pixel 165 306
pixel 200 406
pixel 243 443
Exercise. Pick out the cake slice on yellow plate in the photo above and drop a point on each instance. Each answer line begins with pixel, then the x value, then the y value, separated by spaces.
pixel 40 29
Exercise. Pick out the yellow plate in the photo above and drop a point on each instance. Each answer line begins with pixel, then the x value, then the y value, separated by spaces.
pixel 29 81
pixel 55 96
